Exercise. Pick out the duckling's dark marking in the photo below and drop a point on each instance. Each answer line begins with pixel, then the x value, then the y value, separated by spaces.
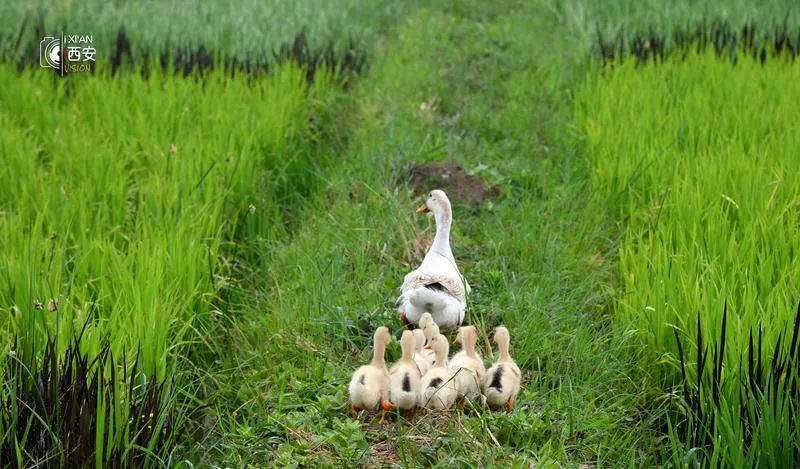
pixel 406 383
pixel 498 375
pixel 435 383
pixel 514 370
pixel 435 286
pixel 361 379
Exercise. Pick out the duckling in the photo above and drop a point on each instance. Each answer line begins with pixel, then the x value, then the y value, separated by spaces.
pixel 369 386
pixel 502 381
pixel 404 377
pixel 420 355
pixel 425 321
pixel 467 365
pixel 438 389
pixel 430 329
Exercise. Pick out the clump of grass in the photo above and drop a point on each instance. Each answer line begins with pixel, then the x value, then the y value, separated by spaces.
pixel 766 409
pixel 719 35
pixel 73 409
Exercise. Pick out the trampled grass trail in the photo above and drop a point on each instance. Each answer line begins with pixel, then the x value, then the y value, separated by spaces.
pixel 448 85
pixel 226 240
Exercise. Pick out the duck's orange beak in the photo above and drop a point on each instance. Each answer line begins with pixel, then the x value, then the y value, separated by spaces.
pixel 456 341
pixel 427 346
pixel 423 209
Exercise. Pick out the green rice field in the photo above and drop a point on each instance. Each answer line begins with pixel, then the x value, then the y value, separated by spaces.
pixel 199 237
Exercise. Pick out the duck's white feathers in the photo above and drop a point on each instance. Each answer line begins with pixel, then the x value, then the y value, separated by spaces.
pixel 443 277
pixel 437 286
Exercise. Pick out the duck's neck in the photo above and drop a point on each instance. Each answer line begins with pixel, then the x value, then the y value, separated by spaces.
pixel 503 346
pixel 378 355
pixel 408 354
pixel 469 347
pixel 441 357
pixel 441 242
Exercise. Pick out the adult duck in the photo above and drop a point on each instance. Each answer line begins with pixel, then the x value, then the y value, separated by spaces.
pixel 437 286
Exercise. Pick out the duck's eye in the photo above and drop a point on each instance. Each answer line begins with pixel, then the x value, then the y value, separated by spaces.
pixel 430 194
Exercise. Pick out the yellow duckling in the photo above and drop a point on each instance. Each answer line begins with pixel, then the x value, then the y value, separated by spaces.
pixel 503 379
pixel 369 386
pixel 438 389
pixel 467 365
pixel 420 355
pixel 430 329
pixel 404 377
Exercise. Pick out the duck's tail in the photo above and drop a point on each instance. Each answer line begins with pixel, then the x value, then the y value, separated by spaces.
pixel 417 301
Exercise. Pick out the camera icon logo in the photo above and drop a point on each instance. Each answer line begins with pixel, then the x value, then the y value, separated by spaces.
pixel 50 52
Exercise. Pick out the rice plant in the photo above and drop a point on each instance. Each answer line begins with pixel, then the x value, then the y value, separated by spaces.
pixel 694 157
pixel 763 417
pixel 130 195
pixel 67 409
pixel 191 33
pixel 623 22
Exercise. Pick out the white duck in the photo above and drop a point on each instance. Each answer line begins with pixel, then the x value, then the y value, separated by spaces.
pixel 438 389
pixel 369 386
pixel 420 357
pixel 503 379
pixel 437 286
pixel 404 376
pixel 467 365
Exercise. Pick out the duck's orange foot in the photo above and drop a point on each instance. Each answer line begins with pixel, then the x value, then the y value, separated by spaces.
pixel 387 405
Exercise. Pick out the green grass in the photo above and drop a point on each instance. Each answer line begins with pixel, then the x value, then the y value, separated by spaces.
pixel 697 161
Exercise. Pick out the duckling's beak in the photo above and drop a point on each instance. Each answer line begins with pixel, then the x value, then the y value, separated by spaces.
pixel 456 341
pixel 427 346
pixel 423 209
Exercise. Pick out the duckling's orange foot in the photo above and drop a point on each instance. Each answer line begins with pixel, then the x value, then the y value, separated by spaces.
pixel 510 405
pixel 355 413
pixel 387 405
